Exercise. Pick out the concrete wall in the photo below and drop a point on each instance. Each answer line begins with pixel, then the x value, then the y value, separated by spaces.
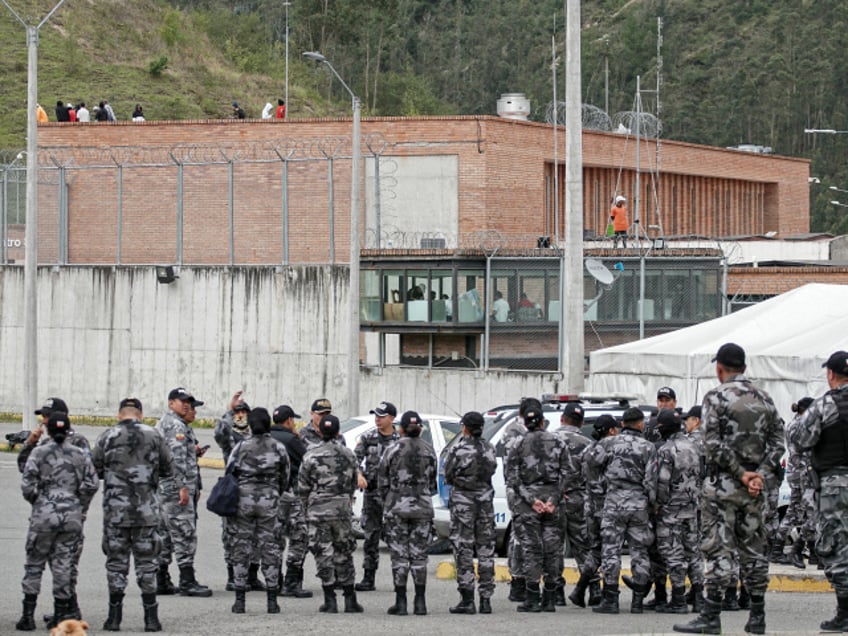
pixel 280 334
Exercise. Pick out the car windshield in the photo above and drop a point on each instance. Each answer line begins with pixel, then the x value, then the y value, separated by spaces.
pixel 349 425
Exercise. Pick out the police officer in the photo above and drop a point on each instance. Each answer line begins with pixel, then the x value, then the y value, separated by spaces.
pixel 593 508
pixel 261 466
pixel 73 438
pixel 628 464
pixel 130 458
pixel 514 432
pixel 292 516
pixel 468 469
pixel 369 450
pixel 536 476
pixel 310 435
pixel 326 482
pixel 59 481
pixel 178 496
pixel 678 496
pixel 824 429
pixel 407 483
pixel 573 520
pixel 743 436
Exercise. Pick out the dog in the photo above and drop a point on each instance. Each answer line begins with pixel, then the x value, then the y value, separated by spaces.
pixel 70 627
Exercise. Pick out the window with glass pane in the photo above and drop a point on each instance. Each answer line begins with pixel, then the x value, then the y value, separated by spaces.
pixel 370 302
pixel 551 303
pixel 393 291
pixel 677 295
pixel 619 303
pixel 504 295
pixel 705 284
pixel 441 292
pixel 531 295
pixel 417 295
pixel 470 295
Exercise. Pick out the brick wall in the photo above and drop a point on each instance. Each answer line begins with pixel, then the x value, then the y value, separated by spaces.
pixel 777 280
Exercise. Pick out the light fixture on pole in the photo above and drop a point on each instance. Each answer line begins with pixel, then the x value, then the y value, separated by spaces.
pixel 839 204
pixel 353 344
pixel 824 131
pixel 835 189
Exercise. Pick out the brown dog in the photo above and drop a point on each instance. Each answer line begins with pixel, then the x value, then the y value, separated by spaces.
pixel 70 627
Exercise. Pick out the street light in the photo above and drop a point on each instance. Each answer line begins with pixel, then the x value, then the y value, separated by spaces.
pixel 353 344
pixel 835 189
pixel 839 204
pixel 825 131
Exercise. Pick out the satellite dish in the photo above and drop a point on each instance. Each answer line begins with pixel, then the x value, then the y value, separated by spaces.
pixel 599 271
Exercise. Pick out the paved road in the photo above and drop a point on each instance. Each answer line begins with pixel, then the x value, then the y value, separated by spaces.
pixel 786 612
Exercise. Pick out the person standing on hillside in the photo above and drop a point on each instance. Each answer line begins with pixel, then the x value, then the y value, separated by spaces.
pixel 281 109
pixel 743 438
pixel 41 114
pixel 83 116
pixel 238 111
pixel 618 217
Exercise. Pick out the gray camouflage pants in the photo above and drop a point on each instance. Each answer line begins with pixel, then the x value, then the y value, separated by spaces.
pixel 143 544
pixel 332 543
pixel 636 526
pixel 58 549
pixel 473 527
pixel 372 527
pixel 180 524
pixel 408 540
pixel 252 527
pixel 801 512
pixel 293 520
pixel 832 531
pixel 540 537
pixel 679 544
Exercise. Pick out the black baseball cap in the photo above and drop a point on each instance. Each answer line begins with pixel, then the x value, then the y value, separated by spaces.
pixel 52 405
pixel 606 422
pixel 329 426
pixel 284 412
pixel 131 402
pixel 195 402
pixel 838 362
pixel 804 403
pixel 180 394
pixel 666 391
pixel 410 417
pixel 241 406
pixel 58 422
pixel 321 405
pixel 730 355
pixel 633 414
pixel 668 417
pixel 574 411
pixel 695 411
pixel 473 421
pixel 384 408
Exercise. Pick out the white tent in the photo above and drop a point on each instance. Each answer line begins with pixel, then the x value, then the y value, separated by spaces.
pixel 786 340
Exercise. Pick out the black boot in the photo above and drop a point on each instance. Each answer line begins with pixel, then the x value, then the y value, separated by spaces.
pixel 151 613
pixel 814 558
pixel 660 595
pixel 367 582
pixel 637 603
pixel 757 617
pixel 238 606
pixel 776 554
pixel 595 593
pixel 253 582
pixel 677 604
pixel 466 603
pixel 164 584
pixel 293 584
pixel 74 607
pixel 330 605
pixel 549 598
pixel 838 623
pixel 697 597
pixel 532 599
pixel 419 602
pixel 559 595
pixel 27 621
pixel 730 602
pixel 485 605
pixel 744 597
pixel 578 594
pixel 517 589
pixel 230 586
pixel 796 557
pixel 61 611
pixel 609 602
pixel 116 611
pixel 399 608
pixel 272 606
pixel 709 620
pixel 189 585
pixel 350 602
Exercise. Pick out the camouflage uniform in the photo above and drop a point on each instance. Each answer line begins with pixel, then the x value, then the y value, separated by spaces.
pixel 292 517
pixel 59 481
pixel 593 506
pixel 468 468
pixel 742 431
pixel 311 438
pixel 515 552
pixel 261 465
pixel 326 482
pixel 369 450
pixel 228 437
pixel 628 490
pixel 407 482
pixel 822 425
pixel 801 512
pixel 179 523
pixel 131 458
pixel 678 497
pixel 537 469
pixel 573 515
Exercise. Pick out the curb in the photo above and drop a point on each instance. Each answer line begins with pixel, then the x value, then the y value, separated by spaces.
pixel 446 570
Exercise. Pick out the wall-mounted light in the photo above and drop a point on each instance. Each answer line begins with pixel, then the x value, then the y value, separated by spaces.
pixel 166 274
pixel 543 242
pixel 659 244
